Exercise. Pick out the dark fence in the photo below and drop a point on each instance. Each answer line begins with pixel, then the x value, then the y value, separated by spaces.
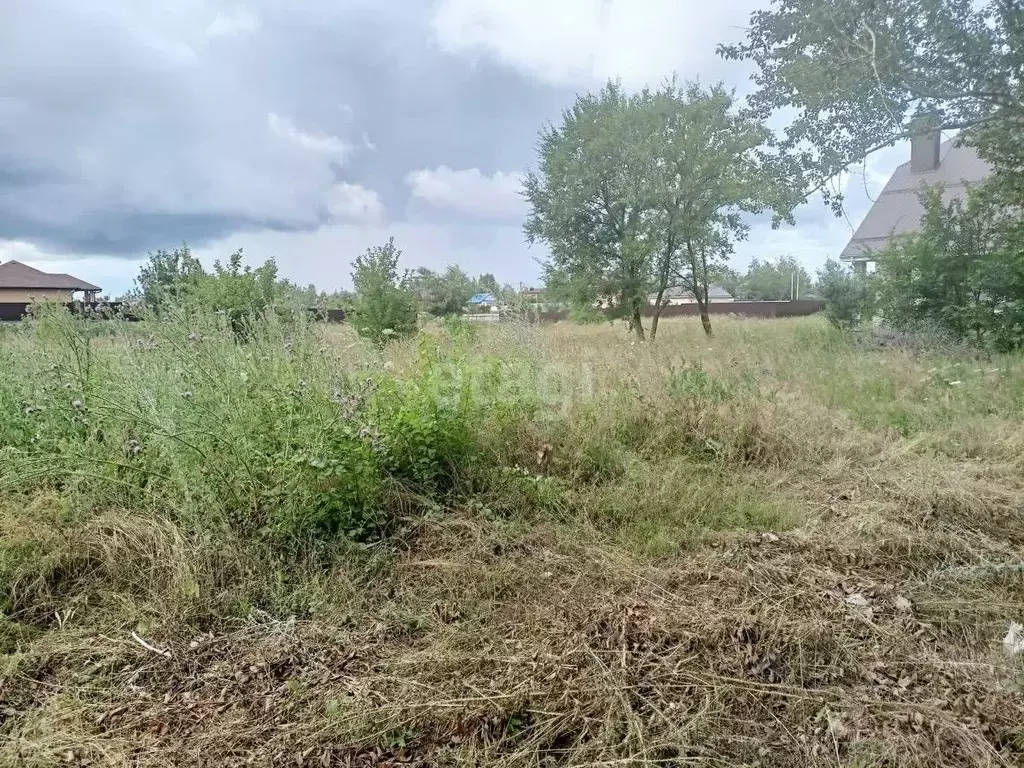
pixel 330 315
pixel 108 310
pixel 798 308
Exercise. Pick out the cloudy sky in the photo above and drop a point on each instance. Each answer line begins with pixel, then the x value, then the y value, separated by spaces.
pixel 308 130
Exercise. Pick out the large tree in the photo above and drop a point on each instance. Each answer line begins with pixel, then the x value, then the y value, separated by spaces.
pixel 855 74
pixel 714 166
pixel 639 193
pixel 590 199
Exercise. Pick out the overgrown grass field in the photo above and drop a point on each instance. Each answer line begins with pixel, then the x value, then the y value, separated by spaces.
pixel 506 545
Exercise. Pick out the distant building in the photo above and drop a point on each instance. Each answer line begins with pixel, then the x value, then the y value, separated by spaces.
pixel 483 298
pixel 537 299
pixel 483 302
pixel 677 295
pixel 22 283
pixel 898 209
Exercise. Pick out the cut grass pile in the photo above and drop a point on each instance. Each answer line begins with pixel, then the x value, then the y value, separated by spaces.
pixel 506 546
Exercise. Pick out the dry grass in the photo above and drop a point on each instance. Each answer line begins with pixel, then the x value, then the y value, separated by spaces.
pixel 806 554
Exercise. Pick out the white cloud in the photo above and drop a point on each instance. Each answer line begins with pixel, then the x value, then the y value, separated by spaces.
pixel 354 202
pixel 469 191
pixel 324 256
pixel 318 142
pixel 811 246
pixel 236 24
pixel 864 181
pixel 19 250
pixel 583 42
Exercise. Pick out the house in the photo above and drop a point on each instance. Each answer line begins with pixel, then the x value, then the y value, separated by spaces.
pixel 20 283
pixel 898 209
pixel 538 299
pixel 487 299
pixel 483 302
pixel 676 295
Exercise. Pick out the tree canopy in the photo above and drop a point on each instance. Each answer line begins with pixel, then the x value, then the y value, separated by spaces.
pixel 176 280
pixel 857 72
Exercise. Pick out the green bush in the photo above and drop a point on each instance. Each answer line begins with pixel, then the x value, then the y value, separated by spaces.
pixel 460 329
pixel 961 274
pixel 425 438
pixel 849 297
pixel 174 282
pixel 694 382
pixel 384 308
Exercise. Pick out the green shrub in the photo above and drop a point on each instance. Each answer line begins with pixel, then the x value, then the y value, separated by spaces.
pixel 173 282
pixel 694 382
pixel 961 273
pixel 338 490
pixel 849 297
pixel 425 425
pixel 460 329
pixel 384 308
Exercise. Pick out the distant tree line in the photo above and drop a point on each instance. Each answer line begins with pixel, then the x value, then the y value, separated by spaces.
pixel 384 304
pixel 779 279
pixel 176 278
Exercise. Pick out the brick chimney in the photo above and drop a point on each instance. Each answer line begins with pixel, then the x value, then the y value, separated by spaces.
pixel 926 137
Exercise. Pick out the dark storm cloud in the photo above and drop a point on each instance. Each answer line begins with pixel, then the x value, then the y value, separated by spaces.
pixel 124 128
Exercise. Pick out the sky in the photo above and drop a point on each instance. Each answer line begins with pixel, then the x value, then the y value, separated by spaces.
pixel 309 130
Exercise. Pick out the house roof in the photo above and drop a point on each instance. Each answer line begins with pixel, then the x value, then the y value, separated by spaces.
pixel 898 209
pixel 678 292
pixel 483 298
pixel 14 274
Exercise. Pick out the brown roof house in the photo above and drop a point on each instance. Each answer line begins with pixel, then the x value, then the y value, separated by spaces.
pixel 898 210
pixel 20 283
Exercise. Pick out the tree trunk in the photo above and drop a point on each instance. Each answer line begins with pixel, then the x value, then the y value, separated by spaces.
pixel 636 324
pixel 702 291
pixel 654 320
